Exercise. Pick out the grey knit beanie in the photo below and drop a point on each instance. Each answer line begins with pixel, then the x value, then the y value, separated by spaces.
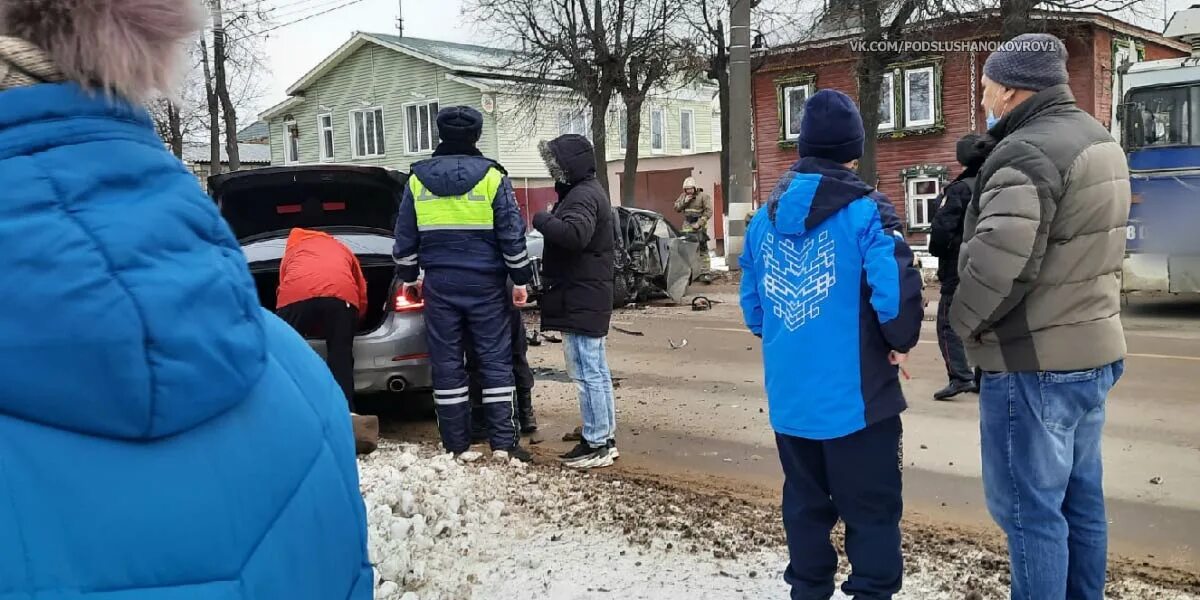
pixel 1030 61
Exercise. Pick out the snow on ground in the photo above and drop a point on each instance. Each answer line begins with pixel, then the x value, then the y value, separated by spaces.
pixel 442 530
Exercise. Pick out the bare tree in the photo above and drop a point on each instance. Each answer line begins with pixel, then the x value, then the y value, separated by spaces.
pixel 581 45
pixel 871 68
pixel 709 37
pixel 214 117
pixel 221 83
pixel 652 56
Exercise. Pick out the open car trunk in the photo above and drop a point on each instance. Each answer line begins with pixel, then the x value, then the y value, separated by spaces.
pixel 378 272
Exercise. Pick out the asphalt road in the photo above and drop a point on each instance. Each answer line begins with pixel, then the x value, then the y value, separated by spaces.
pixel 697 413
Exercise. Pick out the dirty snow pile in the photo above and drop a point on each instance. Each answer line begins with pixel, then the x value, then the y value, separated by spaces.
pixel 444 530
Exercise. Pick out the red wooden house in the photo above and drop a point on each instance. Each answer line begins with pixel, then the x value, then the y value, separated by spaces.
pixel 930 100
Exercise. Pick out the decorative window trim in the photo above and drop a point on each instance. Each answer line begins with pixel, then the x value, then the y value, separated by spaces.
pixel 663 137
pixel 782 86
pixel 691 149
pixel 902 130
pixel 291 141
pixel 372 110
pixel 433 134
pixel 321 131
pixel 918 173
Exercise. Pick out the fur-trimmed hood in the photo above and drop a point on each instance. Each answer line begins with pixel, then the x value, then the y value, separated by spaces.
pixel 128 48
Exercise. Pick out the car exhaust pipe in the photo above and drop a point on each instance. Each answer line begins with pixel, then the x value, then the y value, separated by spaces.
pixel 397 384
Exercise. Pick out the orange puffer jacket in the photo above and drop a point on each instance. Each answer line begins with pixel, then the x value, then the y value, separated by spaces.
pixel 315 265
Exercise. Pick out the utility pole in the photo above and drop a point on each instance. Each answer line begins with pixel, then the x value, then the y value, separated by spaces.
pixel 222 87
pixel 400 18
pixel 741 157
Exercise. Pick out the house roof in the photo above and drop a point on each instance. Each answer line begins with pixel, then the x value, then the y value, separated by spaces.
pixel 252 154
pixel 826 35
pixel 259 130
pixel 460 57
pixel 481 67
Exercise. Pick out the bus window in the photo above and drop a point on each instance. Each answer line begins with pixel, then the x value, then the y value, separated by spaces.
pixel 1157 117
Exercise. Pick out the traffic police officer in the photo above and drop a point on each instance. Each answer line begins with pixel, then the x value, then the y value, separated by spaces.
pixel 459 223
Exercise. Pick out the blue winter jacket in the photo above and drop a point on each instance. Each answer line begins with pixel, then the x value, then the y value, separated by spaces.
pixel 829 285
pixel 161 435
pixel 490 252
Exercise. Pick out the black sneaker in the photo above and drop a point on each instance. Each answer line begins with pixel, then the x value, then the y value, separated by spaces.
pixel 580 450
pixel 518 453
pixel 955 388
pixel 597 458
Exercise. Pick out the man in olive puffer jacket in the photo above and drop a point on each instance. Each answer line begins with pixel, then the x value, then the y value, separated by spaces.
pixel 1038 306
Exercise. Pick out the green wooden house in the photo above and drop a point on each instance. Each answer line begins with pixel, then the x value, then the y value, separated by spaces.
pixel 373 101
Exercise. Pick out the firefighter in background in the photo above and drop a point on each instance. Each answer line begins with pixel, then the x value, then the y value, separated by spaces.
pixel 697 208
pixel 459 222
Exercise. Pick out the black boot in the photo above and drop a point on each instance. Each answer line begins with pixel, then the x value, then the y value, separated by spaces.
pixel 479 432
pixel 525 410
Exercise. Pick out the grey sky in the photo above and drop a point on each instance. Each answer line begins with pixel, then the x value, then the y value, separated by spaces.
pixel 293 50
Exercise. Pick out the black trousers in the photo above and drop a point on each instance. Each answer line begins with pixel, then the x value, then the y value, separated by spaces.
pixel 335 321
pixel 857 479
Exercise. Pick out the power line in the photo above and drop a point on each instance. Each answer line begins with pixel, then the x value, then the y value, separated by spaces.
pixel 300 20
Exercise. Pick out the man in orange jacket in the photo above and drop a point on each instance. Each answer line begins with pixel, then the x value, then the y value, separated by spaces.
pixel 322 293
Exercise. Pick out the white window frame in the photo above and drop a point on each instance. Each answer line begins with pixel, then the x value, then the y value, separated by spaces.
pixel 326 149
pixel 382 132
pixel 291 142
pixel 888 98
pixel 662 119
pixel 787 107
pixel 910 197
pixel 623 130
pixel 567 118
pixel 715 129
pixel 908 121
pixel 691 114
pixel 433 132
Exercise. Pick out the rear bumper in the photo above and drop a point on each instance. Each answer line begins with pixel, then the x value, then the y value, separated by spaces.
pixel 394 355
pixel 1161 273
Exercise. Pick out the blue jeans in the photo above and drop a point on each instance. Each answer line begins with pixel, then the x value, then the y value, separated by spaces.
pixel 1042 475
pixel 587 365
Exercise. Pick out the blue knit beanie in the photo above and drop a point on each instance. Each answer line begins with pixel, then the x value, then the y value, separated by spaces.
pixel 459 124
pixel 1030 61
pixel 832 128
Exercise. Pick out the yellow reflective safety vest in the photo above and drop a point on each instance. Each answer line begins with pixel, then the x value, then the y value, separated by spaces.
pixel 472 210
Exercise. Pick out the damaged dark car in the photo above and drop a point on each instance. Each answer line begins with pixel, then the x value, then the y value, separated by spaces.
pixel 653 259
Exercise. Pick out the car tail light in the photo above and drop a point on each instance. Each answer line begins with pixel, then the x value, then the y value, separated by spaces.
pixel 407 300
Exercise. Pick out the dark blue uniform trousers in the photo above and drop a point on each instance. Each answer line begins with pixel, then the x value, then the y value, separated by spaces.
pixel 855 478
pixel 470 308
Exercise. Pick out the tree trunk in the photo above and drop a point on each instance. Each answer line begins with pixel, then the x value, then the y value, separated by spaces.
pixel 600 106
pixel 723 95
pixel 175 129
pixel 230 112
pixel 214 113
pixel 1014 17
pixel 633 115
pixel 870 80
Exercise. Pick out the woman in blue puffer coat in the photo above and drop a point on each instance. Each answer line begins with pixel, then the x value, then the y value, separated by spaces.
pixel 161 436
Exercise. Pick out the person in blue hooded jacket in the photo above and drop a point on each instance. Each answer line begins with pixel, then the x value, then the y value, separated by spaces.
pixel 162 436
pixel 829 285
pixel 459 222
